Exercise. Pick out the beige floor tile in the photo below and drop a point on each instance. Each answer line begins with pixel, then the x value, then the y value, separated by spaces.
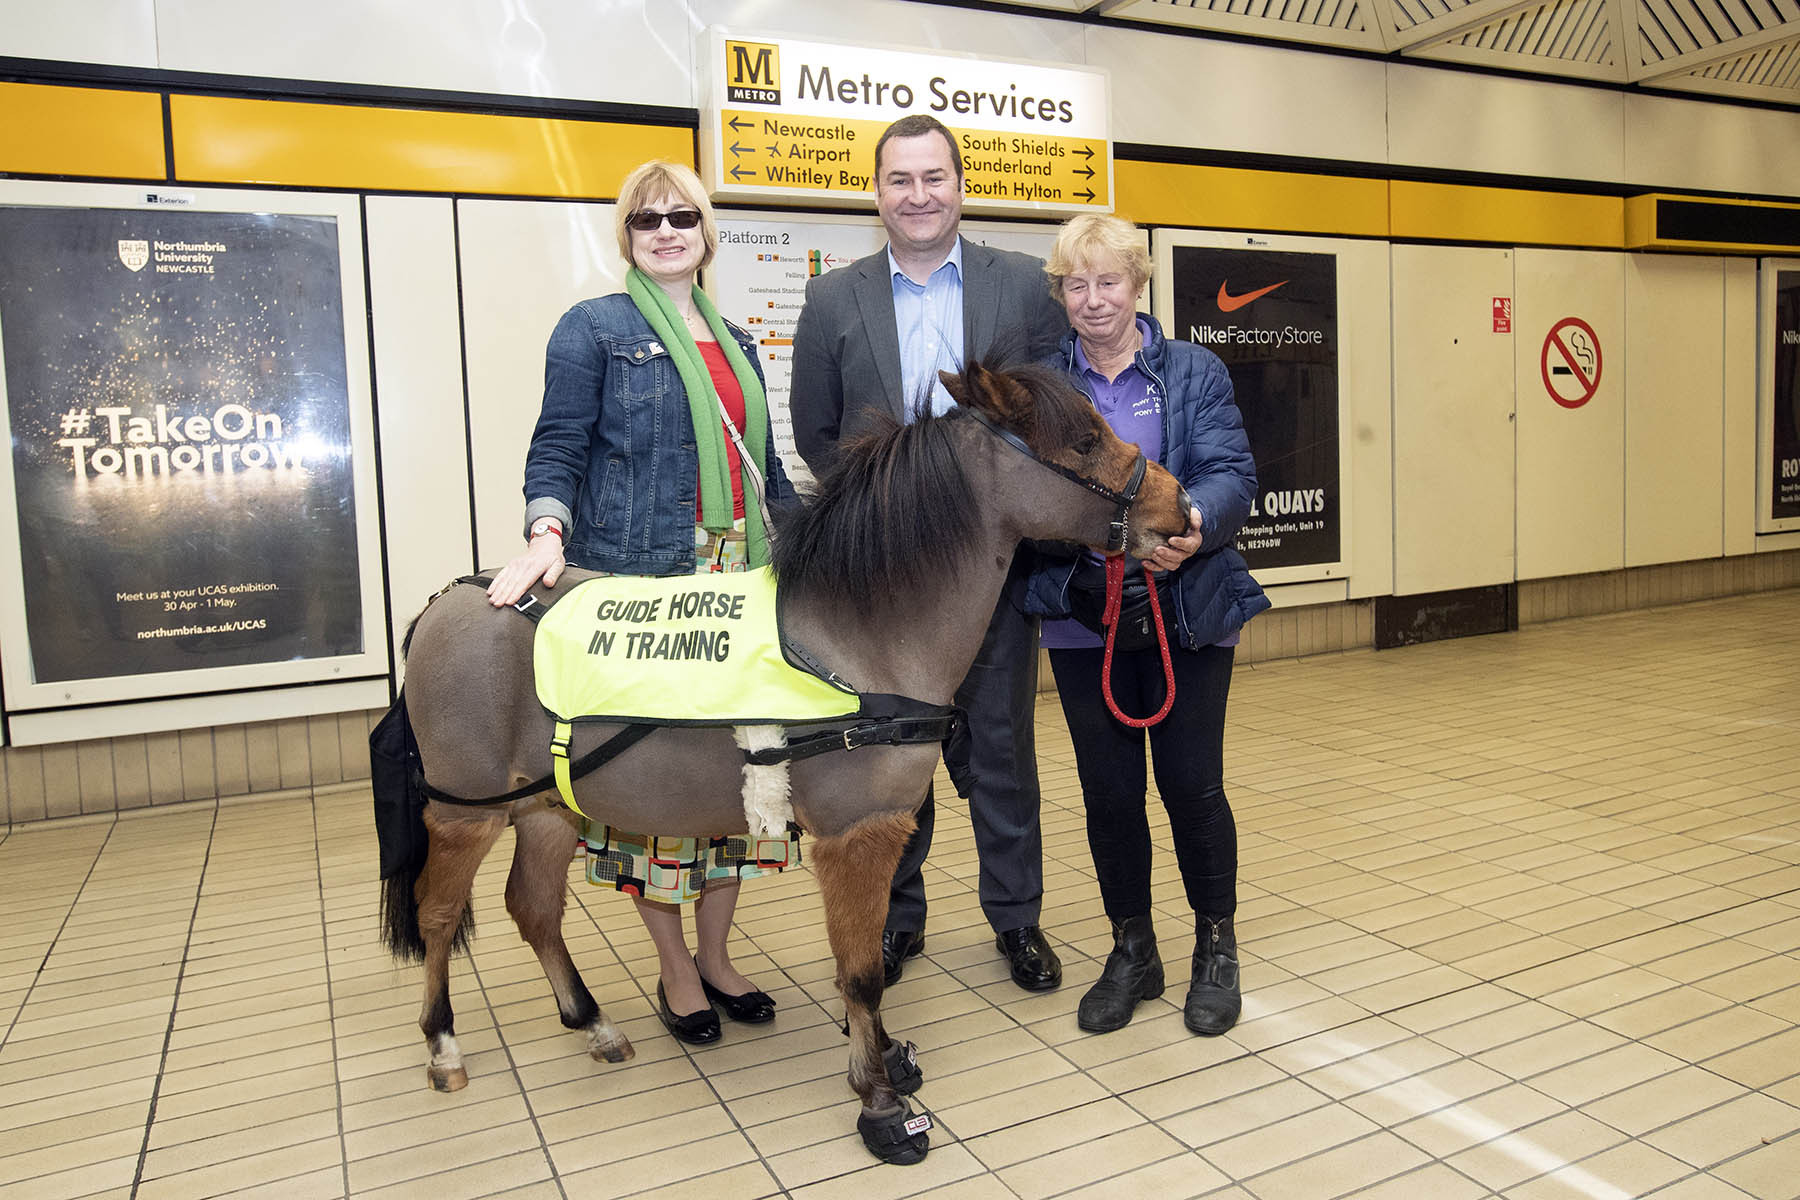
pixel 656 1172
pixel 1730 1129
pixel 1245 1112
pixel 1179 1177
pixel 285 1160
pixel 1632 1169
pixel 1551 1145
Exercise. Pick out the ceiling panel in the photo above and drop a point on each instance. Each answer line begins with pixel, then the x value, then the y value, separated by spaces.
pixel 1737 48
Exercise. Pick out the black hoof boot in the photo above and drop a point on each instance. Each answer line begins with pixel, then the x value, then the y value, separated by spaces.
pixel 1133 972
pixel 1213 999
pixel 902 1062
pixel 898 1137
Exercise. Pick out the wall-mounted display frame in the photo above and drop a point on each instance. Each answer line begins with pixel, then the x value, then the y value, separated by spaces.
pixel 1269 308
pixel 1778 396
pixel 189 503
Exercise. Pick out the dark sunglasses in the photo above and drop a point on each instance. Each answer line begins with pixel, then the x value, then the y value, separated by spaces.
pixel 649 222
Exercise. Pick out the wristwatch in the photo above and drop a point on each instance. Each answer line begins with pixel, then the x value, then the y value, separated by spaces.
pixel 544 525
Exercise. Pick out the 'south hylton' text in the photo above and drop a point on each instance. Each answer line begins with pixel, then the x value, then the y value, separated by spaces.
pixel 119 440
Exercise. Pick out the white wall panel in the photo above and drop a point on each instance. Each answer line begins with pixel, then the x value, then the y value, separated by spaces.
pixel 523 265
pixel 1740 493
pixel 1571 461
pixel 1672 143
pixel 122 32
pixel 1365 331
pixel 1219 95
pixel 628 51
pixel 1459 120
pixel 1674 408
pixel 1453 420
pixel 419 400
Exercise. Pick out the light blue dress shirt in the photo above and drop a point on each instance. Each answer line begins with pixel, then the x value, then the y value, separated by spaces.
pixel 929 319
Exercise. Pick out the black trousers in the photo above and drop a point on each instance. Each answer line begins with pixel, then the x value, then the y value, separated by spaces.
pixel 998 773
pixel 1187 748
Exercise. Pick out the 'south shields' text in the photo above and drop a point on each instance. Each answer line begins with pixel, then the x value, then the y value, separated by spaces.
pixel 119 440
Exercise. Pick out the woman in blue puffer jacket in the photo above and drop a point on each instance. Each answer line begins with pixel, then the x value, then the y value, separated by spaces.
pixel 1174 401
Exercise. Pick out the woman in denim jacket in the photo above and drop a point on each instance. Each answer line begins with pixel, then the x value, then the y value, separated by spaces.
pixel 1174 401
pixel 631 472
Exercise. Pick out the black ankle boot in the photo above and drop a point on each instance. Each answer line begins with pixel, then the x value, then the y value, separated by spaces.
pixel 1133 972
pixel 1213 999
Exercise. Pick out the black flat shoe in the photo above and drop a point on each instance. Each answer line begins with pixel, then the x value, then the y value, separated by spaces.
pixel 751 1008
pixel 695 1028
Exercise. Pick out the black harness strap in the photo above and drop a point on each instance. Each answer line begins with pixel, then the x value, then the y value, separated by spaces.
pixel 593 760
pixel 902 731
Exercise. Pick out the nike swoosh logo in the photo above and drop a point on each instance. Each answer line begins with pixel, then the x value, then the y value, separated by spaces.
pixel 1231 303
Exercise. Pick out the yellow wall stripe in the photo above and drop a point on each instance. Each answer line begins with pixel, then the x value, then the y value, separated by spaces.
pixel 47 130
pixel 221 140
pixel 1510 216
pixel 1233 198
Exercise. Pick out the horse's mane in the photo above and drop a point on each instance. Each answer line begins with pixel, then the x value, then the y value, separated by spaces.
pixel 894 510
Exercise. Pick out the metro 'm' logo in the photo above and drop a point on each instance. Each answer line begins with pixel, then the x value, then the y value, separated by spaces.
pixel 752 73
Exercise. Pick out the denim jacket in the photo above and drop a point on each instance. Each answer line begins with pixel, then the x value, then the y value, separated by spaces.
pixel 613 454
pixel 1205 448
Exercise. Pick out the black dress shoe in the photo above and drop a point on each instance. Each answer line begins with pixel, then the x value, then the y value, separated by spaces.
pixel 898 945
pixel 695 1028
pixel 751 1008
pixel 1035 966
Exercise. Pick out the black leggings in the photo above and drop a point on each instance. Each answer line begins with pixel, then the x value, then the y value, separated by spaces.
pixel 1188 750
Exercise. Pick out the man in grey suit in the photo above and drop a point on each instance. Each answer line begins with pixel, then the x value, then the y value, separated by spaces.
pixel 869 343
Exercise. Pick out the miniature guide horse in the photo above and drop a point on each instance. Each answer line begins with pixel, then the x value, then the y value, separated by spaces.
pixel 889 576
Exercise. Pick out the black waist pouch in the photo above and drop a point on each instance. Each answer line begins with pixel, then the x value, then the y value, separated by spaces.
pixel 1137 623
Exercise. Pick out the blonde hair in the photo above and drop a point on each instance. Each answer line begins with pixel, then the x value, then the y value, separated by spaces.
pixel 651 182
pixel 1092 239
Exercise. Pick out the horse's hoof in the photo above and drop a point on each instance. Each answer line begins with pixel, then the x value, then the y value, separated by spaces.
pixel 898 1137
pixel 902 1062
pixel 617 1051
pixel 450 1079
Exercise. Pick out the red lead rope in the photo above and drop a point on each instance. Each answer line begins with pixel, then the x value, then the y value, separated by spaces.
pixel 1115 589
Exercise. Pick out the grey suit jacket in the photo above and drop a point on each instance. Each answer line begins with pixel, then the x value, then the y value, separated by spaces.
pixel 847 346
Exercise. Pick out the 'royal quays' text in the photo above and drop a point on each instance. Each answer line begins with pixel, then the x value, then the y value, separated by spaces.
pixel 125 443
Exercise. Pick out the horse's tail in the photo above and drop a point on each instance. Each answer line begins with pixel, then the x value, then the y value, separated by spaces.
pixel 397 780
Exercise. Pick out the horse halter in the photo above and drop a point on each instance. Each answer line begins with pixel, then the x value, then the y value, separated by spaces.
pixel 1119 529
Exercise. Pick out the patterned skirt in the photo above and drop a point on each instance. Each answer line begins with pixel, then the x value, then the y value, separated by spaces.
pixel 676 870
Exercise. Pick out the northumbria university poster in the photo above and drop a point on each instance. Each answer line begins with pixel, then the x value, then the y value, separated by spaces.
pixel 176 393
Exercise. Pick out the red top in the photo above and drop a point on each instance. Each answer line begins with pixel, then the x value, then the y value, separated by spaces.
pixel 726 384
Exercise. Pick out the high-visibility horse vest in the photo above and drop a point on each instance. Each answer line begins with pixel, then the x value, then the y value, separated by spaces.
pixel 674 650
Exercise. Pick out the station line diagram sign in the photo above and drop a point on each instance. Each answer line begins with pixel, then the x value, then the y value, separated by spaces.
pixel 797 121
pixel 758 279
pixel 187 504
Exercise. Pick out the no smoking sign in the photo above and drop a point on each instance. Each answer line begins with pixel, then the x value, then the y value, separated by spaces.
pixel 1570 362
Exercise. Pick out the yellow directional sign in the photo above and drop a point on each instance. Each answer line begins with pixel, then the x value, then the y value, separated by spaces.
pixel 799 120
pixel 826 155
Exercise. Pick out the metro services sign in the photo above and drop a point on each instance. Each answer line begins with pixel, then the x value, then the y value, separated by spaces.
pixel 799 121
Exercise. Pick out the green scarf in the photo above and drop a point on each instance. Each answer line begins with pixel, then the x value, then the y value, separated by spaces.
pixel 703 407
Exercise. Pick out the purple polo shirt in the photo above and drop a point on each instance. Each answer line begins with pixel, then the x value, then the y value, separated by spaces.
pixel 1133 405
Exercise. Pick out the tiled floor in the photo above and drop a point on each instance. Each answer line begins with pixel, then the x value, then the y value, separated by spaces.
pixel 1521 917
